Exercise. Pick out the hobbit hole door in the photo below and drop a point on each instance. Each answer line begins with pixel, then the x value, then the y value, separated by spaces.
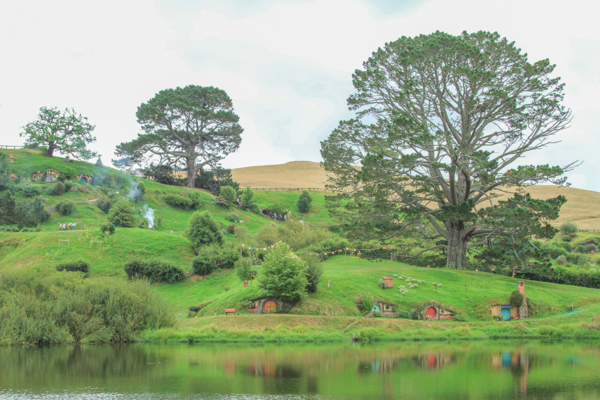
pixel 376 308
pixel 269 304
pixel 505 313
pixel 430 313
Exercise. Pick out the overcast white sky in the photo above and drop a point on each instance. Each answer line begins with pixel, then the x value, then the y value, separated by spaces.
pixel 287 65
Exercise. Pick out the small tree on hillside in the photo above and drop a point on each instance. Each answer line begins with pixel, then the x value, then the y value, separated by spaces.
pixel 65 131
pixel 314 271
pixel 228 193
pixel 122 214
pixel 283 275
pixel 243 268
pixel 202 230
pixel 569 228
pixel 4 172
pixel 304 202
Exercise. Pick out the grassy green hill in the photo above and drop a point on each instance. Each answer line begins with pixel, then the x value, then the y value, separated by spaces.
pixel 469 293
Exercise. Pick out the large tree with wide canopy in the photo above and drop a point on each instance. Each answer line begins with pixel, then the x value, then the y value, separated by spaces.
pixel 191 127
pixel 442 125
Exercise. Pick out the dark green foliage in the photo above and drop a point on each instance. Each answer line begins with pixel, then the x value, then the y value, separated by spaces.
pixel 228 193
pixel 327 246
pixel 569 228
pixel 4 172
pixel 104 204
pixel 403 314
pixel 231 228
pixel 248 202
pixel 561 260
pixel 314 271
pixel 565 245
pixel 68 185
pixel 122 214
pixel 566 238
pixel 31 212
pixel 107 229
pixel 304 202
pixel 202 230
pixel 51 307
pixel 154 271
pixel 429 155
pixel 213 257
pixel 75 266
pixel 193 127
pixel 283 275
pixel 377 314
pixel 189 201
pixel 563 275
pixel 65 131
pixel 58 189
pixel 278 209
pixel 213 179
pixel 516 299
pixel 31 191
pixel 65 207
pixel 588 248
pixel 579 248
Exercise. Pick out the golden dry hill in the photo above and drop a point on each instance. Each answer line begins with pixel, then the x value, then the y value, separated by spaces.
pixel 582 207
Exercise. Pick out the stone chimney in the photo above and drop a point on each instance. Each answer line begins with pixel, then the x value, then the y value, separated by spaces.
pixel 522 288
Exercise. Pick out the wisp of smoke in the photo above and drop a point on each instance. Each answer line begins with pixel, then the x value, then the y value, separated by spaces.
pixel 134 192
pixel 149 215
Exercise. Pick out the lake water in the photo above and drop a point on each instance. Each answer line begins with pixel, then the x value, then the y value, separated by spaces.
pixel 407 370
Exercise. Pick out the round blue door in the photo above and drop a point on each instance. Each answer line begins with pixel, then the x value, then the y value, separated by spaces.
pixel 376 308
pixel 505 313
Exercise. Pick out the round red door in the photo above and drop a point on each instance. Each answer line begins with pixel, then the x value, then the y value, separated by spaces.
pixel 269 304
pixel 430 313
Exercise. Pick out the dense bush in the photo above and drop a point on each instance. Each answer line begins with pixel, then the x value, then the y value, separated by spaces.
pixel 367 303
pixel 228 193
pixel 304 202
pixel 155 271
pixel 516 299
pixel 104 204
pixel 561 260
pixel 179 201
pixel 65 207
pixel 278 209
pixel 327 246
pixel 68 185
pixel 31 191
pixel 567 246
pixel 403 314
pixel 563 275
pixel 206 262
pixel 243 268
pixel 283 275
pixel 122 214
pixel 294 234
pixel 58 189
pixel 75 266
pixel 107 229
pixel 233 217
pixel 231 228
pixel 579 248
pixel 202 230
pixel 314 271
pixel 554 251
pixel 31 212
pixel 53 308
pixel 248 203
pixel 588 248
pixel 569 228
pixel 566 238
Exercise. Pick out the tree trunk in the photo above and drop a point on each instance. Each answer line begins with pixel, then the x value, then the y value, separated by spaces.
pixel 49 151
pixel 191 173
pixel 457 248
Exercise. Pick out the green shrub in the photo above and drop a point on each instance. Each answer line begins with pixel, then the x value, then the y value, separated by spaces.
pixel 179 201
pixel 381 283
pixel 65 207
pixel 278 209
pixel 567 246
pixel 202 230
pixel 588 248
pixel 231 228
pixel 228 193
pixel 415 313
pixel 30 213
pixel 122 214
pixel 104 204
pixel 283 275
pixel 553 251
pixel 304 202
pixel 154 271
pixel 367 303
pixel 31 191
pixel 377 314
pixel 68 185
pixel 233 217
pixel 243 268
pixel 516 299
pixel 403 314
pixel 579 248
pixel 569 228
pixel 561 260
pixel 566 238
pixel 107 229
pixel 58 189
pixel 314 271
pixel 206 262
pixel 248 203
pixel 75 266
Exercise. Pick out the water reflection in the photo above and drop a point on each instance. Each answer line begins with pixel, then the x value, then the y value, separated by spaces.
pixel 479 370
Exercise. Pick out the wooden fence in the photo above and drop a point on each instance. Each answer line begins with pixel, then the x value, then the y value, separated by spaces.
pixel 5 146
pixel 589 230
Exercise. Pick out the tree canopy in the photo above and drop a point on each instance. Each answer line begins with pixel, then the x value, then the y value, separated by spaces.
pixel 67 132
pixel 191 127
pixel 441 124
pixel 283 275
